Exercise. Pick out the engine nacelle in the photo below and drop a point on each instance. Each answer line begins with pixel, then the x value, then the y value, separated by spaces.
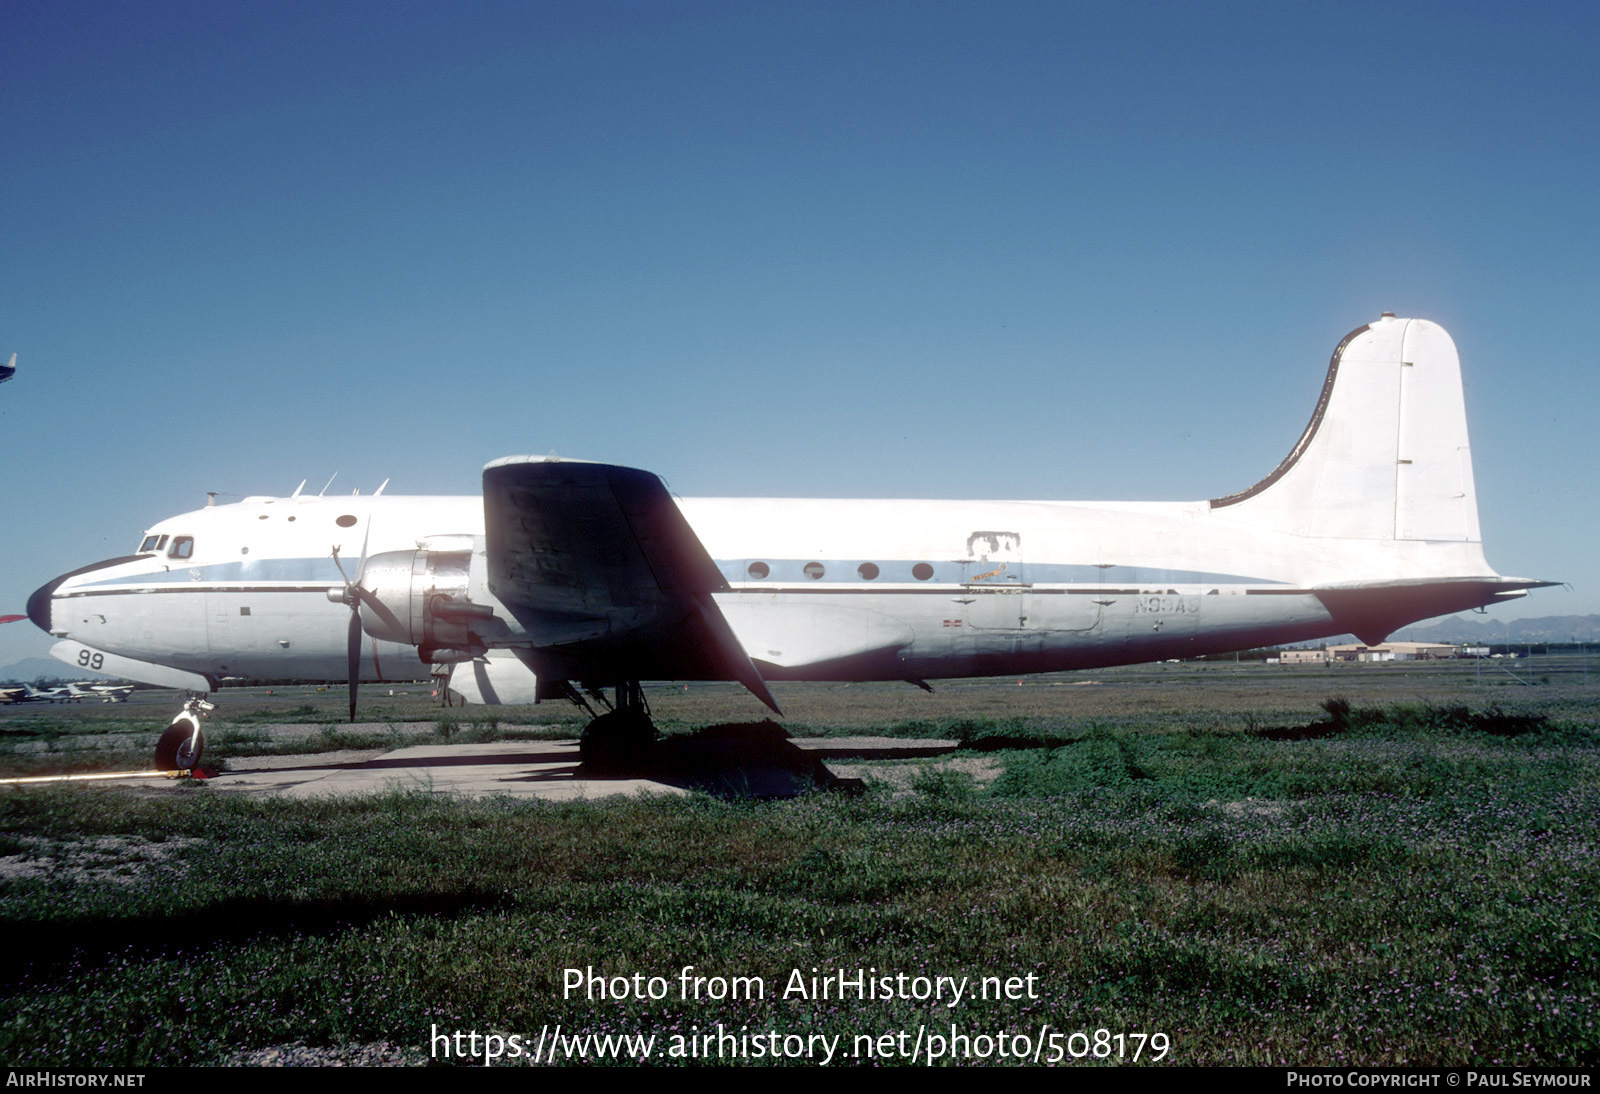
pixel 422 600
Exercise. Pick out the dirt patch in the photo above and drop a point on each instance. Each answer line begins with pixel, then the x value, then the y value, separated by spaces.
pixel 123 860
pixel 901 776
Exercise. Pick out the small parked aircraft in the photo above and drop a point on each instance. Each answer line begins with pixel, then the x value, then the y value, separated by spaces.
pixel 568 578
pixel 24 693
pixel 101 693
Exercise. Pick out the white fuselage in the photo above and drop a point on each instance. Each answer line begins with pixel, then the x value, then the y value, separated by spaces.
pixel 849 589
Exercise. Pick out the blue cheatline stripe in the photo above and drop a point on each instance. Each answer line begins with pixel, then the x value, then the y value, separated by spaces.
pixel 305 570
pixel 780 571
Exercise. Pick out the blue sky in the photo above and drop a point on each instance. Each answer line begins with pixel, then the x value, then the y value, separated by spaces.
pixel 861 249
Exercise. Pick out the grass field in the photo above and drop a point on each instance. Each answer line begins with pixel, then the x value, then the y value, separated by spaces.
pixel 1214 852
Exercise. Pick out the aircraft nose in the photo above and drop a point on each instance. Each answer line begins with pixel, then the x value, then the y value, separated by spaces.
pixel 39 604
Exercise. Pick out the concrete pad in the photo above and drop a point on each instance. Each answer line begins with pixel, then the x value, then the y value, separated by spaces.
pixel 548 770
pixel 540 769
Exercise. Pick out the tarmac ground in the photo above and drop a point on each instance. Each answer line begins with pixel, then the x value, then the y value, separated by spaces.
pixel 743 763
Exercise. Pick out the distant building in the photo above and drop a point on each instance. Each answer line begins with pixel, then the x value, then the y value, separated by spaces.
pixel 1395 651
pixel 1386 651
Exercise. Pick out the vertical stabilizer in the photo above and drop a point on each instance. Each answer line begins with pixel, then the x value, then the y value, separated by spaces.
pixel 1385 456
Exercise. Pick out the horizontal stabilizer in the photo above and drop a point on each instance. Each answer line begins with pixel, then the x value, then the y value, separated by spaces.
pixel 1374 610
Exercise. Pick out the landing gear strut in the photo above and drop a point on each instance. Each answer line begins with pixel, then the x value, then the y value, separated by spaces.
pixel 623 738
pixel 181 745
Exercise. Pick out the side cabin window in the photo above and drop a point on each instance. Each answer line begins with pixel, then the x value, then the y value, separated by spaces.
pixel 182 547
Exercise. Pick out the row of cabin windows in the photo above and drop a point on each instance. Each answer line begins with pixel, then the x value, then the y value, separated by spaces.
pixel 181 547
pixel 868 571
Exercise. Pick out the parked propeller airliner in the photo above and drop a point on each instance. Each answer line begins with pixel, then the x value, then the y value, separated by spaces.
pixel 568 577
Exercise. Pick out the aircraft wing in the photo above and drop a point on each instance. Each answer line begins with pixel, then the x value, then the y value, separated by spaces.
pixel 604 573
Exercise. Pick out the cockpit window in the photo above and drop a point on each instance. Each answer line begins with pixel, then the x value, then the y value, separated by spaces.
pixel 152 544
pixel 182 547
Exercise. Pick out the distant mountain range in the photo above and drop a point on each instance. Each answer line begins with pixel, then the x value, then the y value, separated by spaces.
pixel 1472 631
pixel 32 669
pixel 1483 631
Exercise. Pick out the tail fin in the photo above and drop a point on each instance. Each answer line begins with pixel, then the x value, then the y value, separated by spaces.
pixel 1385 456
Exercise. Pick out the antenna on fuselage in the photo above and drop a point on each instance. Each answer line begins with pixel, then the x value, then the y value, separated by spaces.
pixel 299 488
pixel 211 499
pixel 329 483
pixel 379 490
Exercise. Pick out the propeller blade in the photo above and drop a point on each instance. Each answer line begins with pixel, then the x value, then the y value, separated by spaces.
pixel 355 595
pixel 336 562
pixel 353 650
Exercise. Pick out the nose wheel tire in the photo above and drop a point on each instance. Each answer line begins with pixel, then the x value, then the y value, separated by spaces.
pixel 180 746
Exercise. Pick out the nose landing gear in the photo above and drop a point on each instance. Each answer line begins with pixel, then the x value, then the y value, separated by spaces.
pixel 181 745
